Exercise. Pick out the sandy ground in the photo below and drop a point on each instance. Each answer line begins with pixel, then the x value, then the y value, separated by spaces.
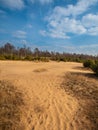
pixel 48 106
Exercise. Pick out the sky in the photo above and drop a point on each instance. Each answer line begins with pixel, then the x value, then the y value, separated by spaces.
pixel 54 25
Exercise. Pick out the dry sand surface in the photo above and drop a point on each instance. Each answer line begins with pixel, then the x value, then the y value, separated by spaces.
pixel 45 105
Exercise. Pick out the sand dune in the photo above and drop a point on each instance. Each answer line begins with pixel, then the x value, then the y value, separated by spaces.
pixel 48 107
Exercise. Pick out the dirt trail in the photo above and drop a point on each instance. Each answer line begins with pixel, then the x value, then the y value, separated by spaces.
pixel 48 106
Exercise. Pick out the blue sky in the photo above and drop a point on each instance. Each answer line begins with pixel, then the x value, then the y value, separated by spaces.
pixel 54 25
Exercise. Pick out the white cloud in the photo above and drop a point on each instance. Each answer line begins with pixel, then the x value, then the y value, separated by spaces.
pixel 19 34
pixel 82 6
pixel 45 1
pixel 72 26
pixel 63 21
pixel 54 34
pixel 72 10
pixel 57 34
pixel 93 31
pixel 13 4
pixel 90 20
pixel 43 32
pixel 41 1
pixel 60 28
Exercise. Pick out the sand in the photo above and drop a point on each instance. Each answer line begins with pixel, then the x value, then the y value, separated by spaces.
pixel 48 107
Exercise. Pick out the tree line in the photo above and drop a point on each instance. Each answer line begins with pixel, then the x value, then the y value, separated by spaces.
pixel 10 52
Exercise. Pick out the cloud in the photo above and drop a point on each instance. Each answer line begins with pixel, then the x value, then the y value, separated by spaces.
pixel 69 25
pixel 82 6
pixel 93 31
pixel 41 1
pixel 72 10
pixel 20 4
pixel 57 34
pixel 54 34
pixel 45 1
pixel 90 20
pixel 19 34
pixel 43 32
pixel 64 21
pixel 12 4
pixel 60 28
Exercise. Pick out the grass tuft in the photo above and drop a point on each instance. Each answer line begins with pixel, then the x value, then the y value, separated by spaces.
pixel 11 102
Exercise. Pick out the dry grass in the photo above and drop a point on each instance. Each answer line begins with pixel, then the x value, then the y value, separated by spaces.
pixel 81 86
pixel 40 70
pixel 11 107
pixel 85 89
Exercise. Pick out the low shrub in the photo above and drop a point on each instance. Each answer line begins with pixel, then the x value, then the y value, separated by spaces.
pixel 44 59
pixel 2 57
pixel 88 63
pixel 94 67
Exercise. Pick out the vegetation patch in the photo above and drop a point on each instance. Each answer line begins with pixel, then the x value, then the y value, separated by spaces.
pixel 92 64
pixel 40 70
pixel 85 89
pixel 88 63
pixel 10 52
pixel 12 106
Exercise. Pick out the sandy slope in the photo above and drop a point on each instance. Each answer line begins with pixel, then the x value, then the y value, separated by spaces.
pixel 48 106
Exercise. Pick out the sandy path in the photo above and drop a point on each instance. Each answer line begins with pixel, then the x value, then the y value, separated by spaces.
pixel 49 107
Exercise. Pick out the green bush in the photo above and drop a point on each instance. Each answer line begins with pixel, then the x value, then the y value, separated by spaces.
pixel 8 57
pixel 88 63
pixel 2 57
pixel 28 58
pixel 94 67
pixel 44 59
